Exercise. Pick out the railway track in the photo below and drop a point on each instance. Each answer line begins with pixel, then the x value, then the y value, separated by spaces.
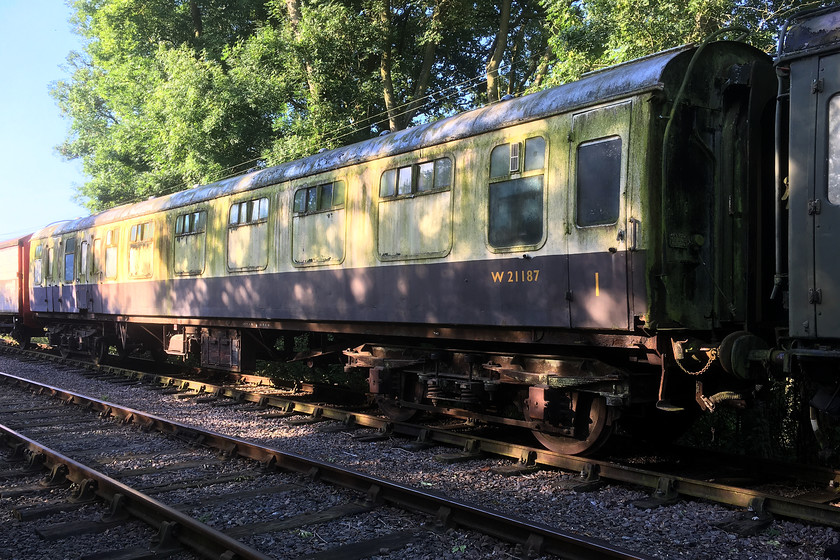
pixel 664 479
pixel 609 511
pixel 71 443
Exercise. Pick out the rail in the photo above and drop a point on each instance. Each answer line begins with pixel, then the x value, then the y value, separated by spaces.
pixel 537 538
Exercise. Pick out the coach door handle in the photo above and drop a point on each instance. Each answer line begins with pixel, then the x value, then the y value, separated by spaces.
pixel 634 234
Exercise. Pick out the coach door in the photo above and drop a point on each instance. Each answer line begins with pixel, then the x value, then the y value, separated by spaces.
pixel 824 204
pixel 68 276
pixel 83 291
pixel 598 216
pixel 51 282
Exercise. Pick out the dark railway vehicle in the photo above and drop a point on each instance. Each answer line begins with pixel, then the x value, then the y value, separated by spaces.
pixel 16 317
pixel 612 252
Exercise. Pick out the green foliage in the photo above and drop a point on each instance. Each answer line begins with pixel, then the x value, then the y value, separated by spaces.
pixel 329 372
pixel 153 107
pixel 169 94
pixel 320 109
pixel 590 34
pixel 775 425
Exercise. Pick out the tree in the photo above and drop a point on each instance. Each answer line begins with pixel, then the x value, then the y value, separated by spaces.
pixel 153 109
pixel 590 34
pixel 168 94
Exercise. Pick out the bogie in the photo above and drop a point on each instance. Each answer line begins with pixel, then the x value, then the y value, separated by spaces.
pixel 570 405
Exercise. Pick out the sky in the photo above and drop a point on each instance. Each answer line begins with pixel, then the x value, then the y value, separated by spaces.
pixel 36 184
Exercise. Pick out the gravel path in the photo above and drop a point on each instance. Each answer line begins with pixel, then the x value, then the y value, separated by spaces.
pixel 683 530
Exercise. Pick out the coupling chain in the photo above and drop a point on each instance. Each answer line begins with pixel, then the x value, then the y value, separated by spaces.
pixel 713 354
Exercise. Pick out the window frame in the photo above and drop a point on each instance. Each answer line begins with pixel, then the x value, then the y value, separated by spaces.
pixel 49 278
pixel 191 224
pixel 142 238
pixel 619 186
pixel 249 207
pixel 832 184
pixel 69 260
pixel 112 247
pixel 37 265
pixel 305 194
pixel 258 214
pixel 522 173
pixel 84 261
pixel 412 171
pixel 97 261
pixel 195 219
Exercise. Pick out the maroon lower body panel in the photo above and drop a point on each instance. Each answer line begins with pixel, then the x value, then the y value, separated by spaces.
pixel 515 292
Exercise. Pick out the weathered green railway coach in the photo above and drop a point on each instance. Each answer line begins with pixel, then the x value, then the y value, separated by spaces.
pixel 548 251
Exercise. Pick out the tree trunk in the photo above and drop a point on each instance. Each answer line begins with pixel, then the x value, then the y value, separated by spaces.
pixel 499 45
pixel 513 77
pixel 385 66
pixel 293 7
pixel 425 72
pixel 195 14
pixel 542 68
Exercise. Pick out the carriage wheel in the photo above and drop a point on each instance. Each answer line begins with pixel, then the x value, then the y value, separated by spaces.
pixel 410 390
pixel 98 350
pixel 592 430
pixel 21 338
pixel 123 352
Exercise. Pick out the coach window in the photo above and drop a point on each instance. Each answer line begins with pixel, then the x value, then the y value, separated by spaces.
pixel 417 178
pixel 46 266
pixel 598 182
pixel 248 235
pixel 319 198
pixel 415 210
pixel 190 242
pixel 49 276
pixel 111 253
pixel 834 150
pixel 97 265
pixel 141 250
pixel 84 249
pixel 319 224
pixel 516 194
pixel 69 260
pixel 37 267
pixel 249 212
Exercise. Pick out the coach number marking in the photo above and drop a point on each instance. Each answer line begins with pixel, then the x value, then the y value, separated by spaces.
pixel 514 276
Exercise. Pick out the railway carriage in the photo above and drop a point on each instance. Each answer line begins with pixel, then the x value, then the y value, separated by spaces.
pixel 536 255
pixel 568 262
pixel 9 283
pixel 16 318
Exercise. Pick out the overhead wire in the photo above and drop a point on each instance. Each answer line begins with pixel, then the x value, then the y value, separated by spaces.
pixel 348 130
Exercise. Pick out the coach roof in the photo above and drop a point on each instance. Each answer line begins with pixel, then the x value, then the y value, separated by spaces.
pixel 810 32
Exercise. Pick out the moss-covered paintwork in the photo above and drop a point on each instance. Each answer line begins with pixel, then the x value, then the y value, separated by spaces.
pixel 670 259
pixel 716 166
pixel 809 69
